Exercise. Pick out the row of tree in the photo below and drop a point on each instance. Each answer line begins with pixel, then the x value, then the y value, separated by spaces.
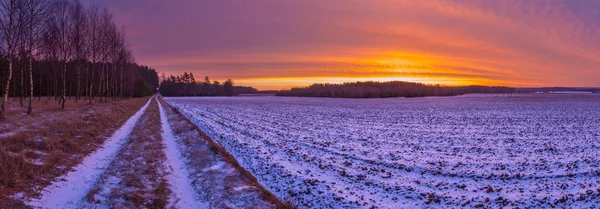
pixel 186 85
pixel 373 89
pixel 138 81
pixel 62 48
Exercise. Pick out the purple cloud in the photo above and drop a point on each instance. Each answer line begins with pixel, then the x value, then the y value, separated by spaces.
pixel 521 42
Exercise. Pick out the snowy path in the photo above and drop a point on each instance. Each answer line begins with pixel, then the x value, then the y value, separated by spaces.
pixel 180 184
pixel 71 188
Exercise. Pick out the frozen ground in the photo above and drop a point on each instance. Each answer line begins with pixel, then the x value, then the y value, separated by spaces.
pixel 475 150
pixel 214 175
pixel 179 181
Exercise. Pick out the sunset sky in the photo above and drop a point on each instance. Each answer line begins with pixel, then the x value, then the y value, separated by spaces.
pixel 278 44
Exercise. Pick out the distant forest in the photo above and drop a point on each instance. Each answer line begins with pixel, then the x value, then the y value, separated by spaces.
pixel 371 89
pixel 548 89
pixel 135 80
pixel 187 85
pixel 65 50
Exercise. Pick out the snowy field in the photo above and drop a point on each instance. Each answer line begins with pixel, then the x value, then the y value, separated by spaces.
pixel 474 150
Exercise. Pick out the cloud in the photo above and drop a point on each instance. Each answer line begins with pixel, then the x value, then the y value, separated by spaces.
pixel 520 42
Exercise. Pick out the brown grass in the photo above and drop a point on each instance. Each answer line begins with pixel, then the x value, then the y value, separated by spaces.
pixel 50 142
pixel 218 150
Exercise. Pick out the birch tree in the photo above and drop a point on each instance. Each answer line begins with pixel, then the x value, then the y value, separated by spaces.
pixel 72 51
pixel 36 15
pixel 8 27
pixel 60 32
pixel 80 22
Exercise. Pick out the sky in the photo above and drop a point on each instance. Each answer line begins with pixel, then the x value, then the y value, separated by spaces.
pixel 279 44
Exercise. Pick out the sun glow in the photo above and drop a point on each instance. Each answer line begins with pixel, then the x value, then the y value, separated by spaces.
pixel 282 83
pixel 380 66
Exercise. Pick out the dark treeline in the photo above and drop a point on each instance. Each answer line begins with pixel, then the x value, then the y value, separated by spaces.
pixel 62 49
pixel 137 81
pixel 371 89
pixel 549 89
pixel 187 85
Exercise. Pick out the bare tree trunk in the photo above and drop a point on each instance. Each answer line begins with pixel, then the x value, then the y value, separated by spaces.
pixel 106 80
pixel 3 108
pixel 110 87
pixel 64 93
pixel 22 86
pixel 91 92
pixel 101 81
pixel 78 81
pixel 100 84
pixel 105 90
pixel 85 83
pixel 40 85
pixel 114 83
pixel 107 86
pixel 31 17
pixel 29 110
pixel 10 59
pixel 70 89
pixel 54 82
pixel 121 82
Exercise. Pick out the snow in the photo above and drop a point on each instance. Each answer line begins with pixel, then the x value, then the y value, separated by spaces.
pixel 215 167
pixel 183 193
pixel 570 92
pixel 67 191
pixel 240 188
pixel 532 150
pixel 7 134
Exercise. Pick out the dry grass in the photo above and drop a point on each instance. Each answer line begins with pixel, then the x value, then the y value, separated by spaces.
pixel 138 168
pixel 37 148
pixel 189 134
pixel 41 105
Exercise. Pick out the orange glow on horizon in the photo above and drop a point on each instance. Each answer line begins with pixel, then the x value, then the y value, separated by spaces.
pixel 284 83
pixel 367 65
pixel 381 66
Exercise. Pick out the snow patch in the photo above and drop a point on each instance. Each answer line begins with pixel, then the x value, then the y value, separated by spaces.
pixel 178 177
pixel 215 167
pixel 8 134
pixel 240 188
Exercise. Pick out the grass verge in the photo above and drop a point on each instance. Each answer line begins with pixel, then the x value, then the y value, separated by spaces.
pixel 37 148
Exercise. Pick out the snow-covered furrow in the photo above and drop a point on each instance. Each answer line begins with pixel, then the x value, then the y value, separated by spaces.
pixel 218 181
pixel 183 195
pixel 507 162
pixel 525 150
pixel 68 190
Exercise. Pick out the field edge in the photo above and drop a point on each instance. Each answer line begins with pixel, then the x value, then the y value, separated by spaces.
pixel 226 156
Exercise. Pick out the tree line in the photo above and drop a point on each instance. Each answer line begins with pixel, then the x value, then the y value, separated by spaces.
pixel 372 89
pixel 187 85
pixel 60 49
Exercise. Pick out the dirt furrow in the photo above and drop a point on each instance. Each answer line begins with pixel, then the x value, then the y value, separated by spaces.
pixel 215 174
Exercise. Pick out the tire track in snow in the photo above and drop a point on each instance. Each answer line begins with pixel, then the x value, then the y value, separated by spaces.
pixel 68 190
pixel 183 195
